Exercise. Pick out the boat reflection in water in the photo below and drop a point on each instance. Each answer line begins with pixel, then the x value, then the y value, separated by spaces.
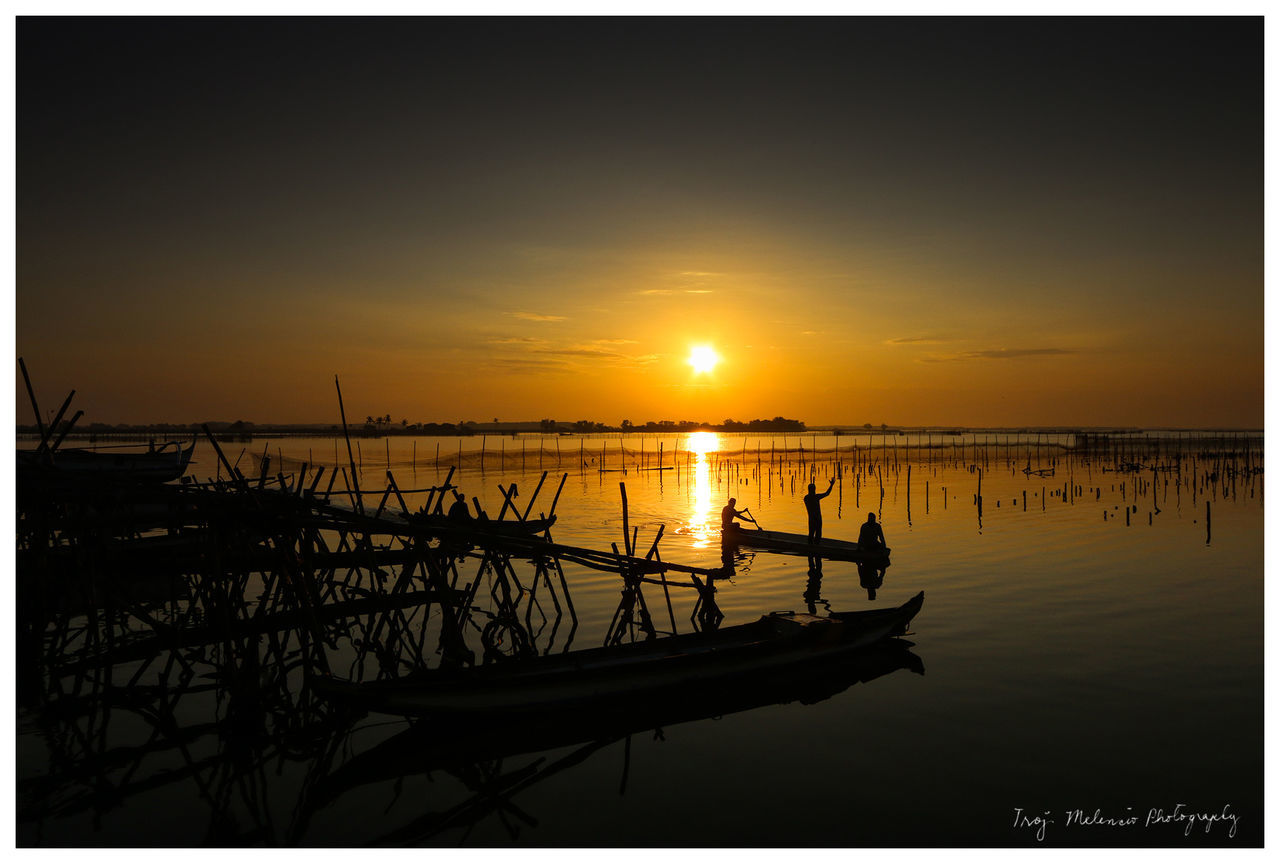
pixel 474 718
pixel 466 746
pixel 221 724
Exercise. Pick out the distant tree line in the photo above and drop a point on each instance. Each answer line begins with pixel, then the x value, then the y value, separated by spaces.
pixel 777 424
pixel 384 425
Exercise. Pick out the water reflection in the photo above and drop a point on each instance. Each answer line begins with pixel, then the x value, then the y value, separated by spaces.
pixel 813 588
pixel 701 523
pixel 128 735
pixel 495 758
pixel 871 578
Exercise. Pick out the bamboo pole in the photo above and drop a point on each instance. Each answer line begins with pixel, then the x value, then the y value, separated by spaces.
pixel 347 434
pixel 53 426
pixel 31 393
pixel 626 531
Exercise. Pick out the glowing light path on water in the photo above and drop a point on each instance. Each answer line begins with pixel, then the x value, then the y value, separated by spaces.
pixel 702 515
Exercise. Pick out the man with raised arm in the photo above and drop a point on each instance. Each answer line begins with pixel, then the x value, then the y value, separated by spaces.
pixel 813 503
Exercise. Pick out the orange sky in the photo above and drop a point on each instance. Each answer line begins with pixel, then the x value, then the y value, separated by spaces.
pixel 469 220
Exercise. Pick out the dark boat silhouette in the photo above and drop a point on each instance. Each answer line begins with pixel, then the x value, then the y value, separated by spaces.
pixel 798 544
pixel 600 678
pixel 155 465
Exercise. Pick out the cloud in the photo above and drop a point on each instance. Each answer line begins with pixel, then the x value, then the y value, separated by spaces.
pixel 1001 354
pixel 596 355
pixel 914 340
pixel 581 351
pixel 538 316
pixel 526 363
pixel 536 354
pixel 667 292
pixel 1011 353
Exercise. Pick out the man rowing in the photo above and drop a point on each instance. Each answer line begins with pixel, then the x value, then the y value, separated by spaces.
pixel 728 514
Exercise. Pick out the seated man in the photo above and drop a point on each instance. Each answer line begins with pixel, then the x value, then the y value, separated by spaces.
pixel 728 514
pixel 458 509
pixel 871 537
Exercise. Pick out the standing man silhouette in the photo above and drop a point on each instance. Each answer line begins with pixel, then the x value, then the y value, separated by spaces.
pixel 813 503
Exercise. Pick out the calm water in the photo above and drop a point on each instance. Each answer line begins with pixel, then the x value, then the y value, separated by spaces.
pixel 1075 657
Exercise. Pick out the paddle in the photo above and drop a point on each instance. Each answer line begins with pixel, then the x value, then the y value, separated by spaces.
pixel 747 512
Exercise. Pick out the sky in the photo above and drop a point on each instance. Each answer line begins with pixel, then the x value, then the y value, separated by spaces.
pixel 915 221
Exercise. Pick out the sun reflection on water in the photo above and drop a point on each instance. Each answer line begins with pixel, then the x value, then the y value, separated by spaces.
pixel 701 518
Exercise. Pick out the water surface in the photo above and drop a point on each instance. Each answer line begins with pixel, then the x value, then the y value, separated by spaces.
pixel 1090 641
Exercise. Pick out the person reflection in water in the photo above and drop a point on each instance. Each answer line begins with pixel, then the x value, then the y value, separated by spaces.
pixel 870 578
pixel 813 503
pixel 813 589
pixel 871 538
pixel 728 514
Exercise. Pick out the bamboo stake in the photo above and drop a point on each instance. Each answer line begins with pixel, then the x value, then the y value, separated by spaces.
pixel 31 393
pixel 556 500
pixel 626 530
pixel 347 434
pixel 53 427
pixel 70 424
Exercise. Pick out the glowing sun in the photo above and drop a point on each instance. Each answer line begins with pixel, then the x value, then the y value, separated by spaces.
pixel 703 358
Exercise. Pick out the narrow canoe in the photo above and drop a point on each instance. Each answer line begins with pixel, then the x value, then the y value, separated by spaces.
pixel 624 674
pixel 157 465
pixel 798 544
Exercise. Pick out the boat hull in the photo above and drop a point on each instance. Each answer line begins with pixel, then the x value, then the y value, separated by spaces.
pixel 621 675
pixel 168 462
pixel 798 544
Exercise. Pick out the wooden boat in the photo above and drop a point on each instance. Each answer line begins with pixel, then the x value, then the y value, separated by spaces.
pixel 798 544
pixel 625 675
pixel 155 465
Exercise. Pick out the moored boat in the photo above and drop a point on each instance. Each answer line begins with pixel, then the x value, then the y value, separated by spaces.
pixel 798 544
pixel 154 465
pixel 625 674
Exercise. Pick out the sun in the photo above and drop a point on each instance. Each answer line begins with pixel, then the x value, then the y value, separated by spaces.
pixel 703 358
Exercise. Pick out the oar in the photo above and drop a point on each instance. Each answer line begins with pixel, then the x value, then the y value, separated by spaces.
pixel 747 513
